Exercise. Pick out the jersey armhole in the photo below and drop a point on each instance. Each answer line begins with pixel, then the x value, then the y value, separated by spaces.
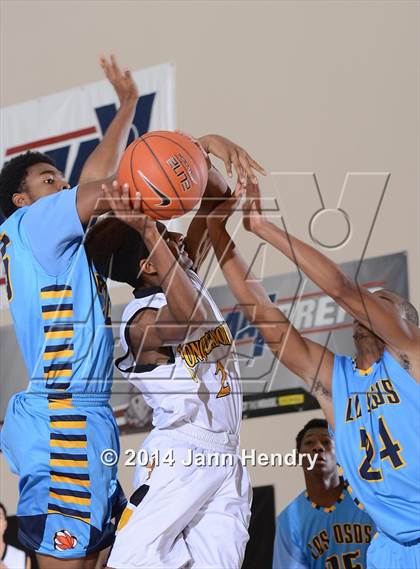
pixel 139 368
pixel 337 359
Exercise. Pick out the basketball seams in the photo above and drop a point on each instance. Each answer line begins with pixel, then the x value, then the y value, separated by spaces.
pixel 152 135
pixel 131 162
pixel 179 198
pixel 134 178
pixel 165 173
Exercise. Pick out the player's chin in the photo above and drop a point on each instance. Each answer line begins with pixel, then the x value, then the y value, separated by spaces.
pixel 185 262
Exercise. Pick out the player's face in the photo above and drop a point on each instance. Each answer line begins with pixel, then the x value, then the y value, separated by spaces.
pixel 318 442
pixel 42 180
pixel 360 332
pixel 391 298
pixel 176 244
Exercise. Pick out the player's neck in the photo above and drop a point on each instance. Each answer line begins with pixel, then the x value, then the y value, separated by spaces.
pixel 365 359
pixel 368 352
pixel 323 490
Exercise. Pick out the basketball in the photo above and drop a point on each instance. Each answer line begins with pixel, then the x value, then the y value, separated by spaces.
pixel 168 170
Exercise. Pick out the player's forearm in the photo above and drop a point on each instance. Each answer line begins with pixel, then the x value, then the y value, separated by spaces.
pixel 245 287
pixel 183 299
pixel 314 264
pixel 197 240
pixel 105 158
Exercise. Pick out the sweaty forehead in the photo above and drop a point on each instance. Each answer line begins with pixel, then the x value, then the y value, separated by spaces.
pixel 320 432
pixel 388 295
pixel 38 169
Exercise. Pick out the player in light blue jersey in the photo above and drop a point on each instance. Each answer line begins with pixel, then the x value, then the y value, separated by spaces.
pixel 372 400
pixel 322 528
pixel 54 432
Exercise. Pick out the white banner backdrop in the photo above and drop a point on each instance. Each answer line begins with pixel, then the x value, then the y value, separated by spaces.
pixel 68 125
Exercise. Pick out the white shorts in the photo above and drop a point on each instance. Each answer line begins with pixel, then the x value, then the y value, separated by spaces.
pixel 186 516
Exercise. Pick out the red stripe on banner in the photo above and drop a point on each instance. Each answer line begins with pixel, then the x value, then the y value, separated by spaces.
pixel 51 140
pixel 2 281
pixel 307 295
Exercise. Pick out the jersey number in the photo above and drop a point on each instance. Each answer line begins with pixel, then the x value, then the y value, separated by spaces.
pixel 390 450
pixel 347 559
pixel 4 242
pixel 225 387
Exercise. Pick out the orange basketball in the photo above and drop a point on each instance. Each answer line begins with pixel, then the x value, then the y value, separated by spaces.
pixel 168 170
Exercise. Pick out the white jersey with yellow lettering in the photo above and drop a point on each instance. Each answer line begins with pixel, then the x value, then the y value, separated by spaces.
pixel 192 503
pixel 201 384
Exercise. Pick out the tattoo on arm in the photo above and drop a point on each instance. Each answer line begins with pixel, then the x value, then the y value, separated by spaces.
pixel 405 362
pixel 318 389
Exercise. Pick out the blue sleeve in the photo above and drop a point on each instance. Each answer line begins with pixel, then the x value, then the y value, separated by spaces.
pixel 54 231
pixel 287 553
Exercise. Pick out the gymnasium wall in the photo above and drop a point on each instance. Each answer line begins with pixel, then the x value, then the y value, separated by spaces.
pixel 308 86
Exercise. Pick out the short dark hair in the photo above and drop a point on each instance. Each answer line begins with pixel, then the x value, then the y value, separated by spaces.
pixel 13 174
pixel 313 424
pixel 410 311
pixel 4 510
pixel 116 250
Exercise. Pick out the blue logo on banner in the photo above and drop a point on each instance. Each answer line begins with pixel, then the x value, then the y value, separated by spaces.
pixel 105 116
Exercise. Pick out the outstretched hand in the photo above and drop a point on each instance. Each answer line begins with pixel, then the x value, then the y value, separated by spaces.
pixel 197 142
pixel 232 154
pixel 127 209
pixel 122 81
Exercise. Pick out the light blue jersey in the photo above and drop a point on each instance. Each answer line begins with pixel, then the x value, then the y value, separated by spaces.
pixel 56 298
pixel 312 537
pixel 377 436
pixel 55 433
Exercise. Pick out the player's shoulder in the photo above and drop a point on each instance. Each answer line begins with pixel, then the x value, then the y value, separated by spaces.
pixel 12 232
pixel 294 510
pixel 343 366
pixel 391 362
pixel 13 220
pixel 53 200
pixel 144 298
pixel 343 359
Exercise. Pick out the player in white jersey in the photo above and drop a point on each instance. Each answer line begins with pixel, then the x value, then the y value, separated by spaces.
pixel 191 507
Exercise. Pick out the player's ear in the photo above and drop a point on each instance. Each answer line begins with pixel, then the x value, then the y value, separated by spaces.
pixel 21 199
pixel 147 267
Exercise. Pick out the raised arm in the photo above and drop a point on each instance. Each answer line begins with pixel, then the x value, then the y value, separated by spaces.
pixel 310 361
pixel 197 242
pixel 376 313
pixel 183 311
pixel 103 161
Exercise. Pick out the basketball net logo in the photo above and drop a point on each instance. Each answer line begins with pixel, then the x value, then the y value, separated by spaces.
pixel 64 540
pixel 165 199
